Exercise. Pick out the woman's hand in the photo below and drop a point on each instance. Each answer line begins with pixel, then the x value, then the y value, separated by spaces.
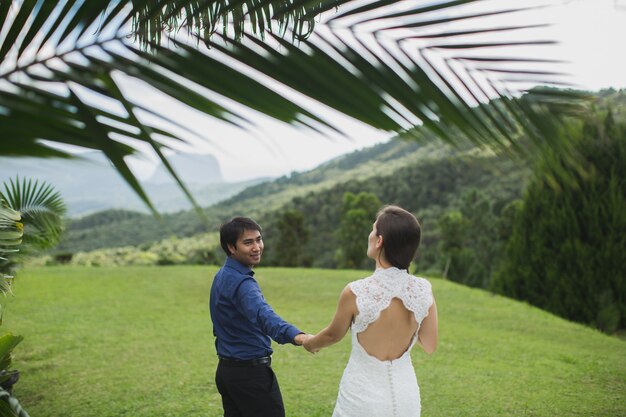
pixel 301 338
pixel 308 345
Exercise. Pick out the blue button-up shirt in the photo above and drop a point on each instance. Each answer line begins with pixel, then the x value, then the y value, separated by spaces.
pixel 243 322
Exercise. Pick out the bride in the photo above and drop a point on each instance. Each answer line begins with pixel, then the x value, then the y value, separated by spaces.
pixel 387 312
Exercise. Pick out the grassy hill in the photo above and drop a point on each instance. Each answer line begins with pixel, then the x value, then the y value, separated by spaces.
pixel 115 342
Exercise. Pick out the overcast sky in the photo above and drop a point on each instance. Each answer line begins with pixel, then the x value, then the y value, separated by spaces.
pixel 591 35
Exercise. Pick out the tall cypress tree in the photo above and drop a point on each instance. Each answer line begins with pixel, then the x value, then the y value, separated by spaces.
pixel 291 237
pixel 567 252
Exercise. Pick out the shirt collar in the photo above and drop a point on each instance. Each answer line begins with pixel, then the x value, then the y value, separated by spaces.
pixel 238 266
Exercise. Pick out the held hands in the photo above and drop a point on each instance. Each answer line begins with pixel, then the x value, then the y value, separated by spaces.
pixel 304 340
pixel 301 338
pixel 308 345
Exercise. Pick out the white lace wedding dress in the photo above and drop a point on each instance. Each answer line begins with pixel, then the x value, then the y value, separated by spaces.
pixel 370 387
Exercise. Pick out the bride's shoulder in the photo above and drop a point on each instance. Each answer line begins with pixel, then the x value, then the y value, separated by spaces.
pixel 359 283
pixel 420 281
pixel 419 278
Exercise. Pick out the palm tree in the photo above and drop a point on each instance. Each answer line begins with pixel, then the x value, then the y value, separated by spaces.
pixel 395 65
pixel 31 217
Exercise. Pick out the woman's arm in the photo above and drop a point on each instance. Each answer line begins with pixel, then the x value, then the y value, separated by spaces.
pixel 428 335
pixel 336 330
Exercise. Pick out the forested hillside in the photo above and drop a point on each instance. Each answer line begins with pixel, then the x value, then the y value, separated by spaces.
pixel 429 189
pixel 420 177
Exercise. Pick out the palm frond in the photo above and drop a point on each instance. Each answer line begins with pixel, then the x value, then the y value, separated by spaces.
pixel 203 18
pixel 41 209
pixel 11 232
pixel 51 88
pixel 11 229
pixel 393 65
pixel 8 342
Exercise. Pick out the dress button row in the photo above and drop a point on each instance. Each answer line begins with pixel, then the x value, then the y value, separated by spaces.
pixel 393 391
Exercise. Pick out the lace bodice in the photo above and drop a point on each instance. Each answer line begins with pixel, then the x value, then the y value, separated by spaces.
pixel 374 294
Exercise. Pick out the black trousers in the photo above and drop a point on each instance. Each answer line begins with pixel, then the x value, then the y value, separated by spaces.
pixel 249 391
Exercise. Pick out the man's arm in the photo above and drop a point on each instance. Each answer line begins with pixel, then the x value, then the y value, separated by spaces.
pixel 252 304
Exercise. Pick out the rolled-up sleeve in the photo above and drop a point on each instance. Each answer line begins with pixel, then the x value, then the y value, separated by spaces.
pixel 252 305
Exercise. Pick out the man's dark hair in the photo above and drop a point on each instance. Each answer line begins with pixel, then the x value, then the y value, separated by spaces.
pixel 233 229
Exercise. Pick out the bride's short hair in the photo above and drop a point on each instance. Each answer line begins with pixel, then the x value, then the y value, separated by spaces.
pixel 401 234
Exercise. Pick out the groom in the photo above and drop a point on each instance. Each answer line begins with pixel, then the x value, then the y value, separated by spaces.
pixel 243 324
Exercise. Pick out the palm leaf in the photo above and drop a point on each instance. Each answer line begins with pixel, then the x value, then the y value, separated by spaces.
pixel 11 232
pixel 8 342
pixel 393 65
pixel 206 17
pixel 11 229
pixel 41 209
pixel 87 66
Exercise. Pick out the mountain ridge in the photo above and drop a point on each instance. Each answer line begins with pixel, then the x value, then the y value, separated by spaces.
pixel 89 184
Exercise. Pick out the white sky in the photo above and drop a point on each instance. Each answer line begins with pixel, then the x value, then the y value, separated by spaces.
pixel 591 35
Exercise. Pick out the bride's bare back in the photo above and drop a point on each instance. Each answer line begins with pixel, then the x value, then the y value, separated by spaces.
pixel 383 324
pixel 390 336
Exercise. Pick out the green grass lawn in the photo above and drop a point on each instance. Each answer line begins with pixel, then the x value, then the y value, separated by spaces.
pixel 138 342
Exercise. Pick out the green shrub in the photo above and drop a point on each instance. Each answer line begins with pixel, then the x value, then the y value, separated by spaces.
pixel 172 251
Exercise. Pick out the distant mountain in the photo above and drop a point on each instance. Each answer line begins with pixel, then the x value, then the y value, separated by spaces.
pixel 89 184
pixel 191 168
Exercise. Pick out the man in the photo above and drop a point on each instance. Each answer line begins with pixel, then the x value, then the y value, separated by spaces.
pixel 243 324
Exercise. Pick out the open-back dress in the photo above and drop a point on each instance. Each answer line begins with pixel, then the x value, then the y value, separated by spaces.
pixel 371 387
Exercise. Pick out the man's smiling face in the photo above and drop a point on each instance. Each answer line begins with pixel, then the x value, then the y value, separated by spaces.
pixel 248 248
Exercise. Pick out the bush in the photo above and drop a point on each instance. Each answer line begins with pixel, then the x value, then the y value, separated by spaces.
pixel 173 251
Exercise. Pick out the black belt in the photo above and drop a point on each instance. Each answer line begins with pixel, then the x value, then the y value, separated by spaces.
pixel 265 360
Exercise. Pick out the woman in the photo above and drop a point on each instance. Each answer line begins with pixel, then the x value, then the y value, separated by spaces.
pixel 388 313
